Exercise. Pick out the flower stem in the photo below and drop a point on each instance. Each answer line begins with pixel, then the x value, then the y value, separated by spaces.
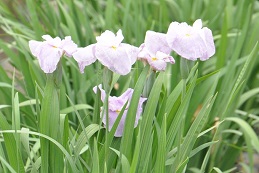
pixel 51 156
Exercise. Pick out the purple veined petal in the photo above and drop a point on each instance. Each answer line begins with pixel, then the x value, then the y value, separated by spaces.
pixel 165 57
pixel 35 47
pixel 85 56
pixel 157 64
pixel 116 60
pixel 155 41
pixel 49 57
pixel 169 59
pixel 210 46
pixel 68 46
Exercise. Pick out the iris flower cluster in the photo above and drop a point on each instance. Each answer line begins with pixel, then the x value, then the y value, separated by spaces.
pixel 190 42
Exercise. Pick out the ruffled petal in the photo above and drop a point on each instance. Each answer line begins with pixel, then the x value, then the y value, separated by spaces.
pixel 165 57
pixel 191 42
pixel 187 42
pixel 85 56
pixel 157 64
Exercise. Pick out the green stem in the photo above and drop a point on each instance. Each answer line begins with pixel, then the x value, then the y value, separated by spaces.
pixel 107 81
pixel 51 156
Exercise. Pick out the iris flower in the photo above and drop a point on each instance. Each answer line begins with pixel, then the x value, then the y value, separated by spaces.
pixel 191 42
pixel 155 51
pixel 116 56
pixel 115 105
pixel 49 52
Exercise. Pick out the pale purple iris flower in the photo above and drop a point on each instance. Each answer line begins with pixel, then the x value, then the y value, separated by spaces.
pixel 116 56
pixel 115 105
pixel 49 52
pixel 191 42
pixel 155 51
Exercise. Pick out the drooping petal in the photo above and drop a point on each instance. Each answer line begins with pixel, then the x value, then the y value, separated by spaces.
pixel 144 54
pixel 157 64
pixel 115 59
pixel 155 41
pixel 49 57
pixel 35 47
pixel 210 46
pixel 187 42
pixel 172 33
pixel 85 56
pixel 68 46
pixel 132 52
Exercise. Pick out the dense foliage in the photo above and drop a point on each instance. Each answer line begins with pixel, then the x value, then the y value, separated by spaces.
pixel 199 116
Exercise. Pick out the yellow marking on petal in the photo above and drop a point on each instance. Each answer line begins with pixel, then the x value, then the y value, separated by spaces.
pixel 117 111
pixel 153 58
pixel 54 46
pixel 114 47
pixel 187 35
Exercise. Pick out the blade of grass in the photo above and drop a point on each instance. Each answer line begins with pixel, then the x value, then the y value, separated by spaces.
pixel 161 151
pixel 147 120
pixel 126 142
pixel 15 159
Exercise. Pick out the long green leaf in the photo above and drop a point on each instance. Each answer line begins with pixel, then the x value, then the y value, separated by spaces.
pixel 126 141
